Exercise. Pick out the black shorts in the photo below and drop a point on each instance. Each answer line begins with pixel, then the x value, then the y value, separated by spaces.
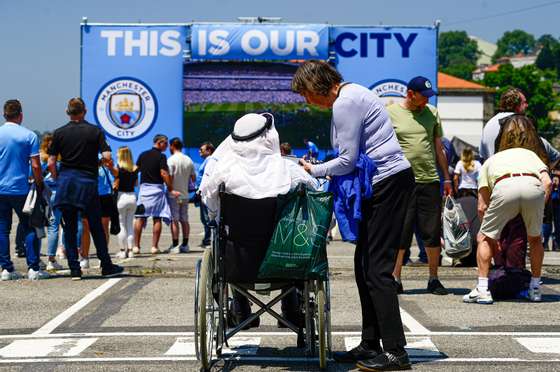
pixel 424 212
pixel 106 205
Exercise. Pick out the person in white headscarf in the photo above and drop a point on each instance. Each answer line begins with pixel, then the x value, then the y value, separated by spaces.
pixel 250 165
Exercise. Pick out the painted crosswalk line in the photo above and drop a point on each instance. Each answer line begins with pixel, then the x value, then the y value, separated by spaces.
pixel 417 347
pixel 46 347
pixel 237 345
pixel 540 345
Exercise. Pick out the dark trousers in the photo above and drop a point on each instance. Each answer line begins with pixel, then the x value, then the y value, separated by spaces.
pixel 85 199
pixel 8 205
pixel 376 252
pixel 205 220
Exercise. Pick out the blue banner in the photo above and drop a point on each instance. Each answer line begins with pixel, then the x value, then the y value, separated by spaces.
pixel 259 42
pixel 131 81
pixel 384 59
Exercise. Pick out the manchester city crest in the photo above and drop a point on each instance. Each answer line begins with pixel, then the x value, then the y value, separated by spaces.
pixel 389 90
pixel 126 108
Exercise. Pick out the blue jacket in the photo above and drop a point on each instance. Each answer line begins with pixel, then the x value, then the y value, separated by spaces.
pixel 349 190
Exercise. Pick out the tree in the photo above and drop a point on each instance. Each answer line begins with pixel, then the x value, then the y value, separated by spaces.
pixel 547 39
pixel 547 56
pixel 535 83
pixel 457 54
pixel 514 42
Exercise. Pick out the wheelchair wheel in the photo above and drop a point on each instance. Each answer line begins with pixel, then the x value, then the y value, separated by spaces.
pixel 196 302
pixel 206 311
pixel 322 324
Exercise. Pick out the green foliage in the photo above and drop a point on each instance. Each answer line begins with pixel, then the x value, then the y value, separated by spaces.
pixel 514 42
pixel 535 83
pixel 457 54
pixel 547 56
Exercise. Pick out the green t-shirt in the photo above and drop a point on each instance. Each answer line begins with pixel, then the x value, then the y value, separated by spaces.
pixel 416 133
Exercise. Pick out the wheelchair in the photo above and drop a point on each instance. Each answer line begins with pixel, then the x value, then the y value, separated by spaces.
pixel 239 244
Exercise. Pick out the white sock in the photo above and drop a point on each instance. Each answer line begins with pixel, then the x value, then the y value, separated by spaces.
pixel 482 284
pixel 535 282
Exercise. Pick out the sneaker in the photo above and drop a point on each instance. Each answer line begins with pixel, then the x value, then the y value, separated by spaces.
pixel 130 253
pixel 10 275
pixel 204 243
pixel 480 297
pixel 113 270
pixel 435 287
pixel 136 250
pixel 184 248
pixel 37 275
pixel 84 263
pixel 76 275
pixel 535 295
pixel 156 250
pixel 42 265
pixel 360 352
pixel 54 266
pixel 387 361
pixel 121 254
pixel 174 249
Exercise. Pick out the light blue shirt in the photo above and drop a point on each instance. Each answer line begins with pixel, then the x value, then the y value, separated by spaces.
pixel 17 146
pixel 361 123
pixel 104 181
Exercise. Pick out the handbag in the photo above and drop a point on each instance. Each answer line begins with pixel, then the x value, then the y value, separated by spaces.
pixel 115 227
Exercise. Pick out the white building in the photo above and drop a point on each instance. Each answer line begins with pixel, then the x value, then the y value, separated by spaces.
pixel 464 108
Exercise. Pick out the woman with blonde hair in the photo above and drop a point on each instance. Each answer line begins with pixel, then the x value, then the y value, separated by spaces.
pixel 126 179
pixel 513 181
pixel 466 174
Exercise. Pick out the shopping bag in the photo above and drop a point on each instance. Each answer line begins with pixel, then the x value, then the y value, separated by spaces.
pixel 297 249
pixel 456 233
pixel 30 200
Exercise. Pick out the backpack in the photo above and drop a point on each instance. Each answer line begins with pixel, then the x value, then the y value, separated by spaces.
pixel 507 283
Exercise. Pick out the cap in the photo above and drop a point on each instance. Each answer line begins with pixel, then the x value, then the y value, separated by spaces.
pixel 422 85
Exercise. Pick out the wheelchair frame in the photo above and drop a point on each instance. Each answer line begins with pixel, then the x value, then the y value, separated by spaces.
pixel 211 306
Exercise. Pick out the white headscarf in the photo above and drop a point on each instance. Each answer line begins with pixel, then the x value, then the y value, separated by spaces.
pixel 252 169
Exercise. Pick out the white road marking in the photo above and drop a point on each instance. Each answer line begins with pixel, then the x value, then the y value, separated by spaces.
pixel 66 314
pixel 412 324
pixel 253 334
pixel 417 347
pixel 51 347
pixel 541 345
pixel 182 346
pixel 260 359
pixel 238 345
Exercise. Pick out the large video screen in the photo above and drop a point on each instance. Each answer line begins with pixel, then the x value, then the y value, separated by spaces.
pixel 216 94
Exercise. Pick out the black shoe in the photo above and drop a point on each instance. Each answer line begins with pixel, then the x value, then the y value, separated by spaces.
pixel 400 289
pixel 360 352
pixel 298 319
pixel 204 244
pixel 76 274
pixel 435 287
pixel 386 362
pixel 20 253
pixel 234 320
pixel 113 270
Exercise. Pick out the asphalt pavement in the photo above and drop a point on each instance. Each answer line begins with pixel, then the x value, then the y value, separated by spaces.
pixel 144 321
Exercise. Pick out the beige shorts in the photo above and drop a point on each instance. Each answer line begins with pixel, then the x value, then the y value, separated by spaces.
pixel 179 209
pixel 511 197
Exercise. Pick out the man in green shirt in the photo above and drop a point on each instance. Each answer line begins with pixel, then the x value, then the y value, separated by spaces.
pixel 418 129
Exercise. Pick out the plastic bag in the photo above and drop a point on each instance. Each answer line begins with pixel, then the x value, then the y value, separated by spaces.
pixel 456 233
pixel 297 249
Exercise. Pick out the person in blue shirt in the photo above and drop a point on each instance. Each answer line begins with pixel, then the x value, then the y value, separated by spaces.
pixel 206 149
pixel 312 150
pixel 18 146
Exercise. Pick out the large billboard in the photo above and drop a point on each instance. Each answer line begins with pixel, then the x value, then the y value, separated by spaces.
pixel 194 80
pixel 131 81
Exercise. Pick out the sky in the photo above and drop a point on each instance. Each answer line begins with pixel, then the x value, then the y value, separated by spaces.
pixel 40 39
